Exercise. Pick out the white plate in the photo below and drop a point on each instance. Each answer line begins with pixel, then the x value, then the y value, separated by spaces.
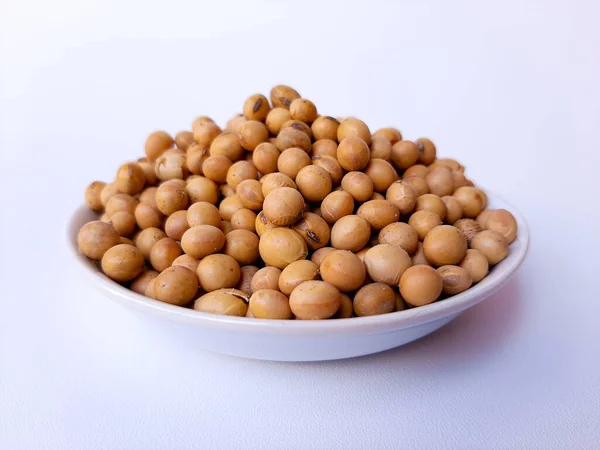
pixel 296 340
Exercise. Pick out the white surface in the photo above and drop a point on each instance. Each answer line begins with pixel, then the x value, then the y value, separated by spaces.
pixel 511 89
pixel 300 340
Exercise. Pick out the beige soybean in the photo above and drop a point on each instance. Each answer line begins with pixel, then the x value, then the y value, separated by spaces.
pixel 184 139
pixel 250 194
pixel 148 195
pixel 336 205
pixel 314 183
pixel 176 224
pixel 325 147
pixel 292 160
pixel 325 127
pixel 502 221
pixel 176 285
pixel 353 153
pixel 157 143
pixel 455 279
pixel 433 203
pixel 226 227
pixel 227 144
pixel 130 178
pixel 203 213
pixel 350 233
pixel 359 185
pixel 352 127
pixel 261 224
pixel 229 206
pixel 282 96
pixel 226 190
pixel 246 275
pixel 344 270
pixel 378 213
pixel 402 195
pixel 270 304
pixel 404 154
pixel 242 245
pixel 346 309
pixel 297 273
pixel 266 278
pixel 315 300
pixel 276 118
pixel 298 125
pixel 243 219
pixel 292 138
pixel 492 244
pixel 451 164
pixel 419 256
pixel 314 230
pixel 386 263
pixel 476 264
pixel 256 107
pixel 195 157
pixel 319 255
pixel 332 167
pixel 93 195
pixel 124 222
pixel 401 235
pixel 205 132
pixel 202 240
pixel 469 228
pixel 215 168
pixel 147 216
pixel 374 299
pixel 164 252
pixel 427 150
pixel 218 271
pixel 453 209
pixel 393 135
pixel 280 247
pixel 252 133
pixel 201 189
pixel 265 157
pixel 122 262
pixel 171 165
pixel 483 196
pixel 304 110
pixel 121 202
pixel 440 182
pixel 444 245
pixel 423 221
pixel 283 206
pixel 276 180
pixel 418 170
pixel 419 185
pixel 171 197
pixel 187 261
pixel 471 200
pixel 420 285
pixel 380 147
pixel 96 238
pixel 226 302
pixel 382 173
pixel 146 239
pixel 459 180
pixel 233 125
pixel 140 283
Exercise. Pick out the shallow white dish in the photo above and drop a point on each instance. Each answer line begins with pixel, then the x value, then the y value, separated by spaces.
pixel 295 340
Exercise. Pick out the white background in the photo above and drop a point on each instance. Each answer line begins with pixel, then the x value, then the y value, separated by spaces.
pixel 508 88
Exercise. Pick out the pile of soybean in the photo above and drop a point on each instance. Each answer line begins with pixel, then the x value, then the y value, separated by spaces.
pixel 286 213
